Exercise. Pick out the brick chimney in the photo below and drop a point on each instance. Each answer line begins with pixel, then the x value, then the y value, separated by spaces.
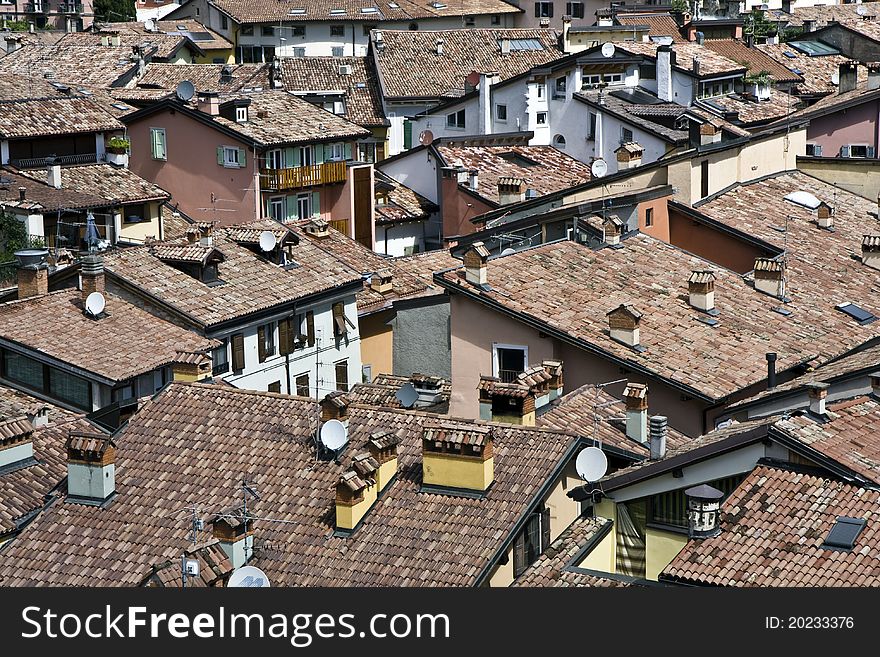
pixel 612 227
pixel 709 133
pixel 317 227
pixel 511 190
pixel 624 324
pixel 335 407
pixel 475 263
pixel 825 216
pixel 16 441
pixel 554 369
pixel 383 448
pixel 818 393
pixel 191 366
pixel 635 397
pixel 32 273
pixel 870 251
pixel 206 233
pixel 701 290
pixel 209 103
pixel 629 155
pixel 380 281
pixel 513 403
pixel 847 76
pixel 770 277
pixel 92 273
pixel 91 468
pixel 235 531
pixel 457 456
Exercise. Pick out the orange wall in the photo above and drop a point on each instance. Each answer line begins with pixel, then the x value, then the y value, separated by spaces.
pixel 660 221
pixel 191 173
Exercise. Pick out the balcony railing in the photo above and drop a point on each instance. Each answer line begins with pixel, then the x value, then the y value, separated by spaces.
pixel 308 176
pixel 40 162
pixel 36 8
pixel 508 376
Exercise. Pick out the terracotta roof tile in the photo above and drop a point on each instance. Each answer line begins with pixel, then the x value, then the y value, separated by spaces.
pixel 205 77
pixel 754 59
pixel 404 204
pixel 817 72
pixel 658 24
pixel 711 62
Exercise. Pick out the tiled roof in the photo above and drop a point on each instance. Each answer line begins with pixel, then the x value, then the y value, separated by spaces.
pixel 569 288
pixel 250 283
pixel 14 403
pixel 203 37
pixel 552 568
pixel 260 11
pixel 772 530
pixel 383 390
pixel 649 118
pixel 658 24
pixel 576 411
pixel 214 568
pixel 205 77
pixel 754 59
pixel 407 55
pixel 40 117
pixel 363 99
pixel 113 346
pixel 711 62
pixel 718 122
pixel 751 112
pixel 423 265
pixel 838 102
pixel 849 436
pixel 111 183
pixel 817 72
pixel 41 196
pixel 313 123
pixel 404 204
pixel 867 28
pixel 825 14
pixel 192 444
pixel 545 169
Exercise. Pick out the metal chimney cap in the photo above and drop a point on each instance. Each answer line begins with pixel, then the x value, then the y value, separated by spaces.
pixel 31 257
pixel 704 492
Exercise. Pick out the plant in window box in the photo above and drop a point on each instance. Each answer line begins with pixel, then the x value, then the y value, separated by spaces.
pixel 118 145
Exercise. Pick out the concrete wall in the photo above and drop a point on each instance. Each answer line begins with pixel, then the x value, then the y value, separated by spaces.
pixel 851 44
pixel 417 171
pixel 421 339
pixel 853 126
pixel 394 239
pixel 858 176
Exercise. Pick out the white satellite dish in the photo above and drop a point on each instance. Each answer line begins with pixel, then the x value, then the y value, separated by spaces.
pixel 598 168
pixel 267 240
pixel 148 25
pixel 508 251
pixel 185 91
pixel 248 577
pixel 333 435
pixel 426 137
pixel 95 304
pixel 591 464
pixel 407 395
pixel 608 50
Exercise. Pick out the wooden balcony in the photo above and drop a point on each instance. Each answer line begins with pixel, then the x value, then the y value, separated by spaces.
pixel 299 177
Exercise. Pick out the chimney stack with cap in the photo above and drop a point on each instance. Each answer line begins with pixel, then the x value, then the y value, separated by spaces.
pixel 206 233
pixel 771 370
pixel 92 273
pixel 32 273
pixel 825 216
pixel 871 251
pixel 191 366
pixel 659 432
pixel 53 173
pixel 847 76
pixel 636 398
pixel 554 368
pixel 475 264
pixel 356 491
pixel 235 532
pixel 701 290
pixel 381 281
pixel 513 403
pixel 511 190
pixel 16 441
pixel 457 456
pixel 209 103
pixel 623 323
pixel 612 227
pixel 91 468
pixel 818 393
pixel 704 509
pixel 665 64
pixel 335 407
pixel 383 448
pixel 770 277
pixel 873 75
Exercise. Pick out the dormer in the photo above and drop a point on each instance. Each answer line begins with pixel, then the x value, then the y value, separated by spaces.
pixel 200 262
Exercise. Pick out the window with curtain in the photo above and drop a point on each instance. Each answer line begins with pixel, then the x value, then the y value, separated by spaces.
pixel 631 522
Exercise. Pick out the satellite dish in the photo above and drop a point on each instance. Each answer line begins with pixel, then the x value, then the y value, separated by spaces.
pixel 333 435
pixel 95 304
pixel 426 137
pixel 267 240
pixel 591 464
pixel 598 168
pixel 608 50
pixel 185 91
pixel 407 395
pixel 508 251
pixel 248 577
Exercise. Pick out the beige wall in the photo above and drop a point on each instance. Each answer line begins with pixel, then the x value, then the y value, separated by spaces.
pixel 606 509
pixel 377 342
pixel 148 228
pixel 602 556
pixel 660 548
pixel 860 177
pixel 640 180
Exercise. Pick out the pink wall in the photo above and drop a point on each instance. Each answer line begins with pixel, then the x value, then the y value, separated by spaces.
pixel 191 173
pixel 455 211
pixel 856 125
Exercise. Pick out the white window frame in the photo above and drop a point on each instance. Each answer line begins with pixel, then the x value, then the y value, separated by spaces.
pixel 337 151
pixel 304 199
pixel 452 120
pixel 306 153
pixel 230 162
pixel 241 114
pixel 538 120
pixel 277 202
pixel 501 345
pixel 275 158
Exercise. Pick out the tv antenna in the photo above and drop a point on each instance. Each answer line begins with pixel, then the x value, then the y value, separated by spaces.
pixel 95 304
pixel 407 395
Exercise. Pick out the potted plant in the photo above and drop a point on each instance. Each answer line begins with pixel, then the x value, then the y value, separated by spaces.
pixel 117 151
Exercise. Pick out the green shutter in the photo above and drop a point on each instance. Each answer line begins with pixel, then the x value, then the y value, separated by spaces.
pixel 347 151
pixel 153 145
pixel 316 204
pixel 220 155
pixel 319 153
pixel 407 134
pixel 292 208
pixel 242 158
pixel 296 159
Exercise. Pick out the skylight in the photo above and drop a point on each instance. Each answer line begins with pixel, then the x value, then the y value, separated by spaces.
pixel 804 199
pixel 861 315
pixel 438 5
pixel 814 48
pixel 394 5
pixel 524 44
pixel 844 533
pixel 297 11
pixel 789 54
pixel 369 10
pixel 337 12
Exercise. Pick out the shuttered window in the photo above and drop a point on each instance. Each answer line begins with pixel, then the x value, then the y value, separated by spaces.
pixel 285 336
pixel 238 351
pixel 342 375
pixel 266 341
pixel 310 328
pixel 531 541
pixel 231 157
pixel 339 323
pixel 302 385
pixel 157 144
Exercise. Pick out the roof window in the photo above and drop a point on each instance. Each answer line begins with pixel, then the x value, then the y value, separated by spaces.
pixel 844 533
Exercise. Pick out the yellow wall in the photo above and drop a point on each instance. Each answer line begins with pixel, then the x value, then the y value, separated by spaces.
pixel 385 473
pixel 377 344
pixel 527 420
pixel 860 177
pixel 349 516
pixel 452 471
pixel 660 548
pixel 503 575
pixel 608 509
pixel 602 556
pixel 143 229
pixel 563 509
pixel 227 54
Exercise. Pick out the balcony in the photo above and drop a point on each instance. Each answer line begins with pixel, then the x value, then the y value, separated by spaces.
pixel 508 376
pixel 40 162
pixel 36 8
pixel 71 8
pixel 298 177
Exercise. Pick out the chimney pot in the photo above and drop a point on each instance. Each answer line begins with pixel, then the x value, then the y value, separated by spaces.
pixel 704 509
pixel 701 290
pixel 771 370
pixel 612 227
pixel 623 323
pixel 818 393
pixel 511 190
pixel 22 194
pixel 770 277
pixel 475 264
pixel 473 179
pixel 32 273
pixel 659 432
pixel 235 532
pixel 847 77
pixel 825 216
pixel 635 397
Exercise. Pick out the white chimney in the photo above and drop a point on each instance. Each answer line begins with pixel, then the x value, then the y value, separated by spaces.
pixel 235 532
pixel 91 468
pixel 818 393
pixel 623 323
pixel 770 277
pixel 659 431
pixel 438 46
pixel 636 398
pixel 505 46
pixel 53 174
pixel 701 290
pixel 704 507
pixel 16 441
pixel 474 179
pixel 665 62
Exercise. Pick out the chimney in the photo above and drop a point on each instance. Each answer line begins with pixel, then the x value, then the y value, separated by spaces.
pixel 629 156
pixel 380 281
pixel 473 179
pixel 566 34
pixel 462 175
pixel 206 233
pixel 709 133
pixel 115 40
pixel 809 26
pixel 871 251
pixel 623 322
pixel 700 38
pixel 428 388
pixel 383 448
pixel 53 173
pixel 22 194
pixel 438 46
pixel 512 403
pixel 475 264
pixel 818 393
pixel 665 63
pixel 696 61
pixel 32 272
pixel 335 407
pixel 636 398
pixel 825 216
pixel 612 227
pixel 505 46
pixel 873 75
pixel 92 273
pixel 318 228
pixel 457 456
pixel 847 77
pixel 750 40
pixel 192 234
pixel 659 431
pixel 511 190
pixel 554 369
pixel 209 103
pixel 704 509
pixel 771 370
pixel 235 531
pixel 770 277
pixel 191 366
pixel 701 290
pixel 356 492
pixel 875 384
pixel 537 379
pixel 16 442
pixel 91 468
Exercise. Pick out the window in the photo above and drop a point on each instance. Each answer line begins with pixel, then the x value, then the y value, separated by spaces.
pixel 276 208
pixel 341 375
pixel 267 30
pixel 592 134
pixel 304 205
pixel 814 149
pixel 560 84
pixel 275 159
pixel 367 152
pixel 540 91
pixel 455 120
pixel 220 358
pixel 299 52
pixel 275 386
pixel 543 10
pixel 508 361
pixel 574 9
pixel 626 135
pixel 340 321
pixel 132 214
pixel 157 143
pixel 559 142
pixel 649 217
pixel 238 352
pixel 122 392
pixel 856 150
pixel 247 30
pixel 48 380
pixel 670 508
pixel 224 22
pixel 366 373
pixel 496 19
pixel 532 541
pixel 704 178
pixel 469 21
pixel 302 385
pixel 501 112
pixel 337 151
pixel 337 51
pixel 541 118
pixel 613 78
pixel 591 80
pixel 337 30
pixel 310 328
pixel 231 157
pixel 368 28
pixel 241 114
pixel 306 156
pixel 300 30
pixel 844 533
pixel 648 71
pixel 23 370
